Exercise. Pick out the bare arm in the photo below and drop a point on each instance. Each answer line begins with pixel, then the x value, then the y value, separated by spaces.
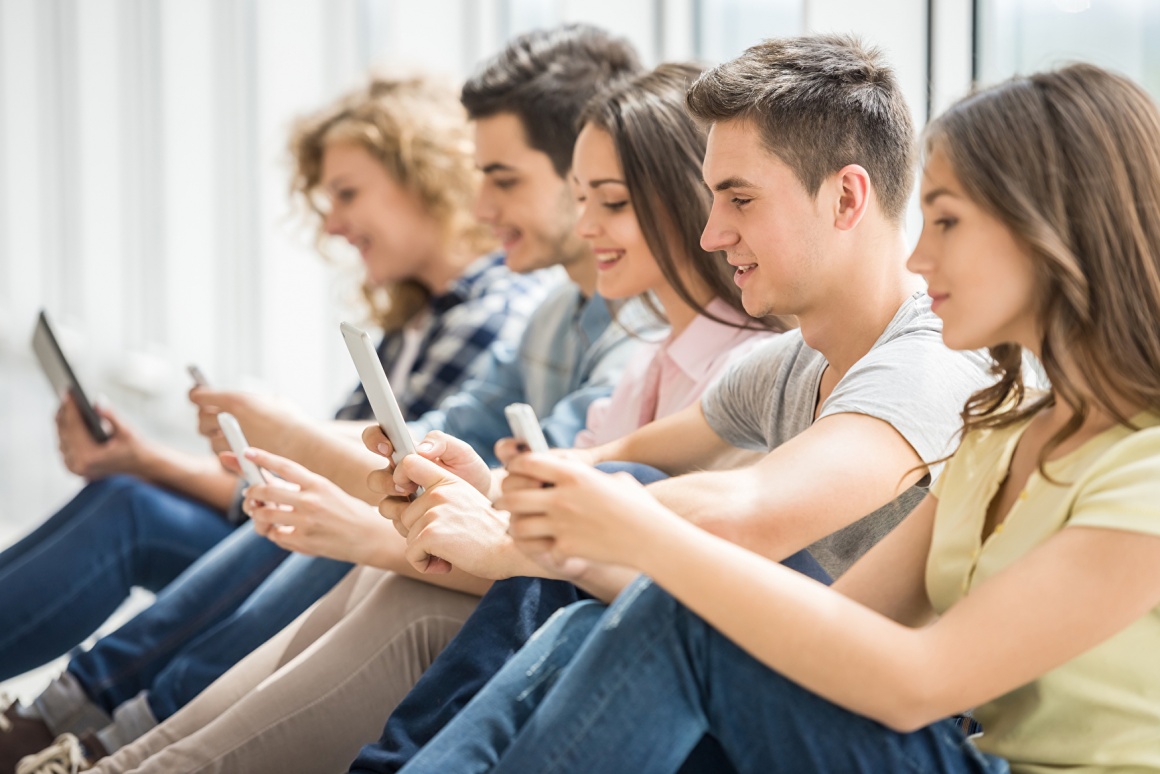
pixel 1069 594
pixel 676 444
pixel 330 449
pixel 842 468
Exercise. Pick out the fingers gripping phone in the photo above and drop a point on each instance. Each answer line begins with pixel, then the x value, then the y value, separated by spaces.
pixel 378 390
pixel 253 474
pixel 526 427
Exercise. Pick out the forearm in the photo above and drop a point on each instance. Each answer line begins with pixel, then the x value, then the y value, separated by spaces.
pixel 676 445
pixel 196 476
pixel 389 553
pixel 333 455
pixel 732 505
pixel 827 643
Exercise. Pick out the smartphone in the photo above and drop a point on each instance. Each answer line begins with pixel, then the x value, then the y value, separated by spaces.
pixel 378 390
pixel 526 427
pixel 60 374
pixel 197 375
pixel 253 474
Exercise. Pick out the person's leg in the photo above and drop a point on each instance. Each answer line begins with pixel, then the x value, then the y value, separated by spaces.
pixel 647 683
pixel 125 662
pixel 506 617
pixel 294 586
pixel 313 712
pixel 70 574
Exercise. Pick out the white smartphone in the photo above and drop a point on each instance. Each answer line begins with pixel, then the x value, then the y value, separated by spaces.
pixel 253 474
pixel 197 375
pixel 526 427
pixel 378 390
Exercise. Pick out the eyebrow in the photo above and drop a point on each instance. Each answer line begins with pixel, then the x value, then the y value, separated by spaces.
pixel 497 167
pixel 732 182
pixel 932 195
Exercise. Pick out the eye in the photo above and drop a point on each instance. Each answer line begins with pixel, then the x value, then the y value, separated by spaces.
pixel 580 199
pixel 505 183
pixel 346 195
pixel 944 223
pixel 616 206
pixel 740 201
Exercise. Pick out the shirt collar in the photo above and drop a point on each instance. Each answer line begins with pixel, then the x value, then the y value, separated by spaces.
pixel 705 339
pixel 460 288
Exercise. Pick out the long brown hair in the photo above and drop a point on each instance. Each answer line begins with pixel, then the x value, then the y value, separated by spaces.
pixel 415 127
pixel 661 148
pixel 1069 161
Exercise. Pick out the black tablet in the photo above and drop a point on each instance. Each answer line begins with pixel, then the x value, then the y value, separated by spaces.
pixel 60 374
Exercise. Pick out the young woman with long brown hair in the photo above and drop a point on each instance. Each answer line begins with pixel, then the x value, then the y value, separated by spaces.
pixel 1026 586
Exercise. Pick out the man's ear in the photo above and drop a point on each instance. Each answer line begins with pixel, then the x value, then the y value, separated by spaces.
pixel 853 188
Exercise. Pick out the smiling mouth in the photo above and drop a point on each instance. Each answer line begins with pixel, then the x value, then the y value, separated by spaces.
pixel 745 269
pixel 606 260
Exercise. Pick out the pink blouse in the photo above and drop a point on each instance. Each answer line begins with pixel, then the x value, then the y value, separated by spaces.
pixel 674 377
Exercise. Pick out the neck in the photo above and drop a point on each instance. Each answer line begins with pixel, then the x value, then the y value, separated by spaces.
pixel 443 268
pixel 862 296
pixel 679 314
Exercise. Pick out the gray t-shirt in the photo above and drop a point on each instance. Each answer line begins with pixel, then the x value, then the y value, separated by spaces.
pixel 909 378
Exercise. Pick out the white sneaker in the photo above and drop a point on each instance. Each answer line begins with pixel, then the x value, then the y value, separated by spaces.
pixel 64 756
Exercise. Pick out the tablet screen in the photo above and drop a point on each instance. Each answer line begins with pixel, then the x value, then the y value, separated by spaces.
pixel 61 376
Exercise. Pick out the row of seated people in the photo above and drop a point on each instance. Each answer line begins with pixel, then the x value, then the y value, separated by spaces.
pixel 804 512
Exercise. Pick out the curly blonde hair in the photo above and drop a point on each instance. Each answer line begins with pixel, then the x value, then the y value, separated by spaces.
pixel 416 128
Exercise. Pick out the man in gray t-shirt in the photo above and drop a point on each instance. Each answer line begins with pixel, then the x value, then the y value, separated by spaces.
pixel 908 379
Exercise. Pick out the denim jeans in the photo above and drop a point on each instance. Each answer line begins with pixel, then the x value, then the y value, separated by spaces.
pixel 228 603
pixel 632 688
pixel 507 616
pixel 65 578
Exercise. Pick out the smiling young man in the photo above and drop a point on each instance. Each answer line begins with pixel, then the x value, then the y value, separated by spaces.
pixel 571 354
pixel 810 163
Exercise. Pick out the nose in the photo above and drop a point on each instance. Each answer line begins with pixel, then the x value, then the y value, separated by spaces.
pixel 333 224
pixel 717 235
pixel 920 260
pixel 486 210
pixel 587 226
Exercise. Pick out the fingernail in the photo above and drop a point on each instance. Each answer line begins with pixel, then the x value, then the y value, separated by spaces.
pixel 425 446
pixel 400 489
pixel 384 449
pixel 251 454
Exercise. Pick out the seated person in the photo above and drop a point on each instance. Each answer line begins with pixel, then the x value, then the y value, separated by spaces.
pixel 851 412
pixel 313 694
pixel 1025 586
pixel 441 305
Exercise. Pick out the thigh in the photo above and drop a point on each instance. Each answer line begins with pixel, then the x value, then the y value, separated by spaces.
pixel 313 713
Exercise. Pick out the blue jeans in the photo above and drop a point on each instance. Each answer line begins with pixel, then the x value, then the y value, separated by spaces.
pixel 64 579
pixel 632 688
pixel 228 603
pixel 507 616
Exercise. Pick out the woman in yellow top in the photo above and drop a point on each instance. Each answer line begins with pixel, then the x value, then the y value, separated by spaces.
pixel 1026 586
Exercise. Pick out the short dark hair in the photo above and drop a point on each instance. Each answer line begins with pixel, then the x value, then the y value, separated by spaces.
pixel 546 77
pixel 661 147
pixel 820 102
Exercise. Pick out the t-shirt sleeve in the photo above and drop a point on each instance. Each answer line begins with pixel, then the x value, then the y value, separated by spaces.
pixel 1122 490
pixel 916 384
pixel 737 404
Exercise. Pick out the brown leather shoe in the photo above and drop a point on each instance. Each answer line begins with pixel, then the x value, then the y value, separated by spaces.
pixel 20 736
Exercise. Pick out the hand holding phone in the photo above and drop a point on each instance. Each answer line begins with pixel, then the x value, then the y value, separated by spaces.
pixel 526 427
pixel 378 390
pixel 253 474
pixel 60 374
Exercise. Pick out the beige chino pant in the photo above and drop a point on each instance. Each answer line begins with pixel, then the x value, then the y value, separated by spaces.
pixel 312 696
